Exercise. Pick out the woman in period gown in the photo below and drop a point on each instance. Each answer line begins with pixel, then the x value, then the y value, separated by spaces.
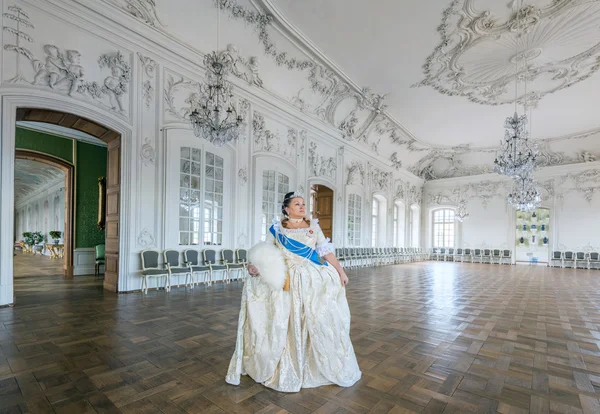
pixel 300 337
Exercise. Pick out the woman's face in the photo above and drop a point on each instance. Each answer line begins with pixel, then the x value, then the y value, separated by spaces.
pixel 296 208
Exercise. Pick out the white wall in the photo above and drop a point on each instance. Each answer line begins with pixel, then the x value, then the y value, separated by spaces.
pixel 52 218
pixel 315 137
pixel 572 193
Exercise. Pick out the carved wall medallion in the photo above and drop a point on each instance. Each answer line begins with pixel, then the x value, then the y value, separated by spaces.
pixel 243 176
pixel 147 153
pixel 145 239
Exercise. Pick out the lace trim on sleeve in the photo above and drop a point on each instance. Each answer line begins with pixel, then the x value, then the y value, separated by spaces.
pixel 325 248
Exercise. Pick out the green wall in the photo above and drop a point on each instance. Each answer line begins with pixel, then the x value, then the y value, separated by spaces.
pixel 90 163
pixel 46 143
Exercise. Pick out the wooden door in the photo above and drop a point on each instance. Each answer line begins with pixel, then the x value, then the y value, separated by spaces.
pixel 113 198
pixel 323 206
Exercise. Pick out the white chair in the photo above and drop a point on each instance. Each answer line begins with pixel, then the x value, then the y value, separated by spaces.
pixel 496 256
pixel 192 261
pixel 151 269
pixel 581 257
pixel 556 257
pixel 593 258
pixel 175 267
pixel 506 256
pixel 477 257
pixel 568 257
pixel 486 256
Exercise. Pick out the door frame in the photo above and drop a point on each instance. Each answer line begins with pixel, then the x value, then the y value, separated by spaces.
pixel 336 238
pixel 69 170
pixel 16 98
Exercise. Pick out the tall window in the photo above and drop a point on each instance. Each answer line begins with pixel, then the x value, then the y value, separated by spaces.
pixel 374 222
pixel 354 219
pixel 443 228
pixel 195 208
pixel 213 200
pixel 275 186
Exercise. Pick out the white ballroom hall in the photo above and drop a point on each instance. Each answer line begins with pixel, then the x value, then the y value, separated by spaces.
pixel 446 148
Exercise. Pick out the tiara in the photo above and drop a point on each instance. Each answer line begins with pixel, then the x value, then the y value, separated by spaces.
pixel 295 195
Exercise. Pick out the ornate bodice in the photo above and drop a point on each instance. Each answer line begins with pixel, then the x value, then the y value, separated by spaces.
pixel 312 237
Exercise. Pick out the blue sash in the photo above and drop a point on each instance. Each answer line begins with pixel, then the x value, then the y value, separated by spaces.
pixel 298 248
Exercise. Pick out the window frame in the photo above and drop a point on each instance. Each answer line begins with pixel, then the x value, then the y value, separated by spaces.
pixel 443 228
pixel 178 139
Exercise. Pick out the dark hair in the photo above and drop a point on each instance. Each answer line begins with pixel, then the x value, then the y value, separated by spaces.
pixel 287 199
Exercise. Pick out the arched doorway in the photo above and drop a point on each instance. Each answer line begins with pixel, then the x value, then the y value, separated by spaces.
pixel 111 192
pixel 109 127
pixel 321 207
pixel 68 170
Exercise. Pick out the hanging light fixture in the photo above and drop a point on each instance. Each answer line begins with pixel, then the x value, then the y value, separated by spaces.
pixel 517 156
pixel 524 194
pixel 214 117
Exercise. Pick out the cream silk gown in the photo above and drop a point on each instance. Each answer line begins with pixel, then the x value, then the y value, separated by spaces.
pixel 288 340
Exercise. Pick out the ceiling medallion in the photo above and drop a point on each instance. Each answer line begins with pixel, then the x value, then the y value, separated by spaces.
pixel 475 58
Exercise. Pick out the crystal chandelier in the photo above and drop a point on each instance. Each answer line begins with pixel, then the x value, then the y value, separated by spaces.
pixel 517 156
pixel 214 117
pixel 524 194
pixel 461 213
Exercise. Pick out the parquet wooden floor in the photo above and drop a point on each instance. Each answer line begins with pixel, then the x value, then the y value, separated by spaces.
pixel 430 338
pixel 27 264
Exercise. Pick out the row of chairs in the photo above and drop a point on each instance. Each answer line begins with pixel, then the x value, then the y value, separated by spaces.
pixel 491 256
pixel 355 257
pixel 194 264
pixel 575 259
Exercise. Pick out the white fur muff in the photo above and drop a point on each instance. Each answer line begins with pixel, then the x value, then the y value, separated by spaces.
pixel 269 261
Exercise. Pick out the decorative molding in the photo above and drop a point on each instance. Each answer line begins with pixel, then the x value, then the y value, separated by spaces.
pixel 173 86
pixel 396 163
pixel 458 67
pixel 320 166
pixel 244 112
pixel 145 239
pixel 243 176
pixel 356 174
pixel 21 22
pixel 147 153
pixel 415 195
pixel 245 69
pixel 399 192
pixel 144 10
pixel 242 241
pixel 148 64
pixel 63 72
pixel 303 137
pixel 381 180
pixel 149 67
pixel 148 93
pixel 268 141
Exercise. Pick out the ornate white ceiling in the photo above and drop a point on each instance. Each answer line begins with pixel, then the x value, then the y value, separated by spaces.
pixel 425 84
pixel 33 176
pixel 448 70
